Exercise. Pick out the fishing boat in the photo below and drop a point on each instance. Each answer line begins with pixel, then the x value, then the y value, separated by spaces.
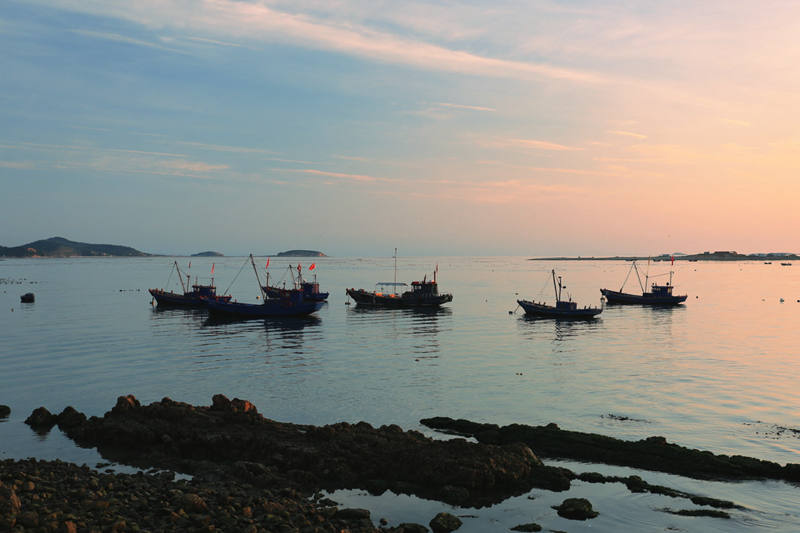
pixel 198 296
pixel 291 304
pixel 562 309
pixel 659 294
pixel 310 289
pixel 423 293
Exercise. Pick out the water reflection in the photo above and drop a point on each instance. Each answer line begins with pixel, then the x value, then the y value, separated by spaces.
pixel 541 328
pixel 286 333
pixel 411 329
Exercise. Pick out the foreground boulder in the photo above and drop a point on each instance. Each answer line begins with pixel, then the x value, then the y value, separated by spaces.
pixel 576 509
pixel 653 453
pixel 445 523
pixel 230 438
pixel 41 419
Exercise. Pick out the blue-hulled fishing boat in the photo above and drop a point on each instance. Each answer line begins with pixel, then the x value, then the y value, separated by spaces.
pixel 292 304
pixel 199 296
pixel 562 309
pixel 310 289
pixel 657 295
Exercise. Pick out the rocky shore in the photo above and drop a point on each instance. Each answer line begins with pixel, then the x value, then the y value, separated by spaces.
pixel 653 453
pixel 54 496
pixel 250 473
pixel 230 439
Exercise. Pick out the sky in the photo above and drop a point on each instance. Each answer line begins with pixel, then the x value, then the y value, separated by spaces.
pixel 531 128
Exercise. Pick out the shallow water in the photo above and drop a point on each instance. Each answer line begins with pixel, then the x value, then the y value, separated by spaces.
pixel 718 373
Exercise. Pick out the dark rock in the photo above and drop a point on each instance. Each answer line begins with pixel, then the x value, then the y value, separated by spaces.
pixel 411 528
pixel 125 403
pixel 27 298
pixel 576 509
pixel 444 523
pixel 243 406
pixel 357 514
pixel 653 453
pixel 533 526
pixel 231 438
pixel 193 503
pixel 70 417
pixel 9 501
pixel 4 411
pixel 220 402
pixel 29 519
pixel 713 513
pixel 41 419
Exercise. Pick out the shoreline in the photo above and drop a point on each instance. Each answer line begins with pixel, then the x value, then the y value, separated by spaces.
pixel 252 473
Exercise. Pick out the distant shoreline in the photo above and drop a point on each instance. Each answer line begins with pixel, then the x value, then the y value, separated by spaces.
pixel 705 256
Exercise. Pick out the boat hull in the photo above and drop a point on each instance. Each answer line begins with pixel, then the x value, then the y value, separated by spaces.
pixel 373 299
pixel 548 311
pixel 272 307
pixel 169 298
pixel 279 292
pixel 617 297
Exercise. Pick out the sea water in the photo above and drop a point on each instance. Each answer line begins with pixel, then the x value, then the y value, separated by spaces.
pixel 718 373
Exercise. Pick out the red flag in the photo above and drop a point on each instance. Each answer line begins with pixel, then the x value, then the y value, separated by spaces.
pixel 212 268
pixel 312 266
pixel 299 267
pixel 673 260
pixel 267 263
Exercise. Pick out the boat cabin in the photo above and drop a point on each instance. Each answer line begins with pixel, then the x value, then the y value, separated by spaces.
pixel 424 288
pixel 204 291
pixel 566 306
pixel 661 290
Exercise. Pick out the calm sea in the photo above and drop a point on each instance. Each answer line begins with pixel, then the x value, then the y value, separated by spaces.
pixel 720 372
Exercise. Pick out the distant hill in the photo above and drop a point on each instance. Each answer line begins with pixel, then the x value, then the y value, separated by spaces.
pixel 208 254
pixel 300 253
pixel 61 247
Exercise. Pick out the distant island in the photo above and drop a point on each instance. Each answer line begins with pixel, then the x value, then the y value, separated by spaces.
pixel 300 253
pixel 705 256
pixel 208 254
pixel 61 247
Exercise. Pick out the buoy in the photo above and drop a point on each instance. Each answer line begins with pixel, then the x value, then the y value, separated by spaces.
pixel 781 300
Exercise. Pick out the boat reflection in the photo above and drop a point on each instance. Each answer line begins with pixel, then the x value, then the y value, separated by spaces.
pixel 287 334
pixel 411 331
pixel 542 328
pixel 165 316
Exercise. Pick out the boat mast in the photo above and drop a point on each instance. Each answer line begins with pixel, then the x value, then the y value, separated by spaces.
pixel 555 289
pixel 638 278
pixel 180 276
pixel 394 287
pixel 252 262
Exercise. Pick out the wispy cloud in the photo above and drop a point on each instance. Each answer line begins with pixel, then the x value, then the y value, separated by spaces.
pixel 350 157
pixel 624 133
pixel 226 148
pixel 215 42
pixel 463 106
pixel 261 23
pixel 20 165
pixel 115 37
pixel 339 175
pixel 532 143
pixel 556 170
